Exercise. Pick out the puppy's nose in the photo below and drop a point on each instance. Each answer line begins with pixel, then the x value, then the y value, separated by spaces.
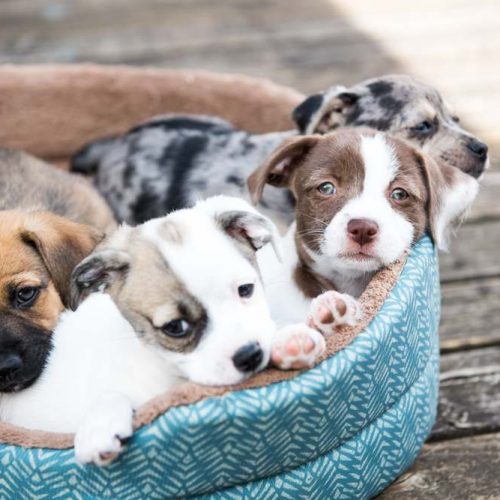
pixel 248 357
pixel 9 363
pixel 362 231
pixel 478 148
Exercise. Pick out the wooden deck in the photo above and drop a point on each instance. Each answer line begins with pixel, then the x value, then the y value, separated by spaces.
pixel 453 44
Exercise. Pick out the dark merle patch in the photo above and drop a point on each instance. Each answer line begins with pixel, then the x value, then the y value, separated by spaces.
pixel 186 153
pixel 303 113
pixel 390 104
pixel 128 172
pixel 146 206
pixel 234 179
pixel 193 124
pixel 380 88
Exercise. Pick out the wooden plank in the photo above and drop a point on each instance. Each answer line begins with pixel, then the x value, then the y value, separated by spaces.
pixel 451 470
pixel 474 253
pixel 470 314
pixel 469 394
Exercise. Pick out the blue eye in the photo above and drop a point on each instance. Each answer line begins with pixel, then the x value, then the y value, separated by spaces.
pixel 423 127
pixel 327 188
pixel 399 194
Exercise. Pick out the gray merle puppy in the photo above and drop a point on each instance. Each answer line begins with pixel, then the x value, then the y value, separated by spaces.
pixel 171 161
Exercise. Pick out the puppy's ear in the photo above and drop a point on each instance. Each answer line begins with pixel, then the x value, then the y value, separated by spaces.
pixel 62 244
pixel 97 272
pixel 278 169
pixel 250 228
pixel 321 113
pixel 451 193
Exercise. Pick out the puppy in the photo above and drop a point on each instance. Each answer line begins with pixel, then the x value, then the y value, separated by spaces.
pixel 362 199
pixel 171 161
pixel 176 313
pixel 38 250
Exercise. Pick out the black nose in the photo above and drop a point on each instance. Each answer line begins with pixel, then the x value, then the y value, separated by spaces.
pixel 248 357
pixel 9 363
pixel 478 148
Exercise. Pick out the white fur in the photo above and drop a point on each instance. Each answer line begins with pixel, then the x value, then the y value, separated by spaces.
pixel 453 200
pixel 95 351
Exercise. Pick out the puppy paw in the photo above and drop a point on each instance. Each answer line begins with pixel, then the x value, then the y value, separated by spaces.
pixel 297 347
pixel 332 309
pixel 104 434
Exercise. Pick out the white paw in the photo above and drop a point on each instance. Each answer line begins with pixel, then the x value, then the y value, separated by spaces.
pixel 104 433
pixel 332 309
pixel 296 347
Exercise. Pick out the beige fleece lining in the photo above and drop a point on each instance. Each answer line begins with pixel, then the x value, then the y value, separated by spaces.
pixel 51 111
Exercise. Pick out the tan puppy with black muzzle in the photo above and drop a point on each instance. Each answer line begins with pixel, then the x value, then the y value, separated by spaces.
pixel 38 251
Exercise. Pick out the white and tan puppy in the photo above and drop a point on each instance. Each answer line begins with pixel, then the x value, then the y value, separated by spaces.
pixel 183 300
pixel 362 199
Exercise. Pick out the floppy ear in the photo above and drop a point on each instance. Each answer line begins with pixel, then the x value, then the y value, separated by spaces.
pixel 321 113
pixel 97 272
pixel 279 167
pixel 250 228
pixel 451 193
pixel 62 244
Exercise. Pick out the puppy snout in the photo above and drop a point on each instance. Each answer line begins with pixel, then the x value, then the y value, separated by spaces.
pixel 9 363
pixel 478 149
pixel 248 357
pixel 362 231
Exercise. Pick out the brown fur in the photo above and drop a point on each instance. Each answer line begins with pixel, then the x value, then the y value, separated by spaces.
pixel 39 248
pixel 27 183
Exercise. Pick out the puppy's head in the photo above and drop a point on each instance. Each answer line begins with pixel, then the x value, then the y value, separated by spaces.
pixel 38 251
pixel 189 286
pixel 362 198
pixel 405 108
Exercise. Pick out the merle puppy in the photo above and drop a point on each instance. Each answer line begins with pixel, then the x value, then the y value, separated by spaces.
pixel 171 161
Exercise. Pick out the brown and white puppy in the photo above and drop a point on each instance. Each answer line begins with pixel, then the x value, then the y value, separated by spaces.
pixel 362 199
pixel 38 250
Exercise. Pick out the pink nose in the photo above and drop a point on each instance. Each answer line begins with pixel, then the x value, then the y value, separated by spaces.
pixel 362 231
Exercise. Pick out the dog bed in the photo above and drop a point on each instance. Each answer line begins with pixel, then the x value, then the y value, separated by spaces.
pixel 344 429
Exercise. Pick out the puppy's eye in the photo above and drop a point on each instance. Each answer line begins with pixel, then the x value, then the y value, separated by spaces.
pixel 399 194
pixel 423 127
pixel 246 291
pixel 456 119
pixel 177 328
pixel 327 188
pixel 26 296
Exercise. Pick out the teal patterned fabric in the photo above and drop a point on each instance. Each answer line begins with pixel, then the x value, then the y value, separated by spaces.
pixel 344 429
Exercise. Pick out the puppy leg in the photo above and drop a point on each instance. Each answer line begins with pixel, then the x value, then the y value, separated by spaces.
pixel 296 346
pixel 105 430
pixel 332 309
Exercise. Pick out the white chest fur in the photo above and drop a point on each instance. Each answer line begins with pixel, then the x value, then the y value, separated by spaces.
pixel 95 351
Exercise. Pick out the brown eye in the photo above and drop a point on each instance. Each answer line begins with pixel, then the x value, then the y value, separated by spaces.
pixel 399 194
pixel 327 188
pixel 25 296
pixel 177 328
pixel 456 119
